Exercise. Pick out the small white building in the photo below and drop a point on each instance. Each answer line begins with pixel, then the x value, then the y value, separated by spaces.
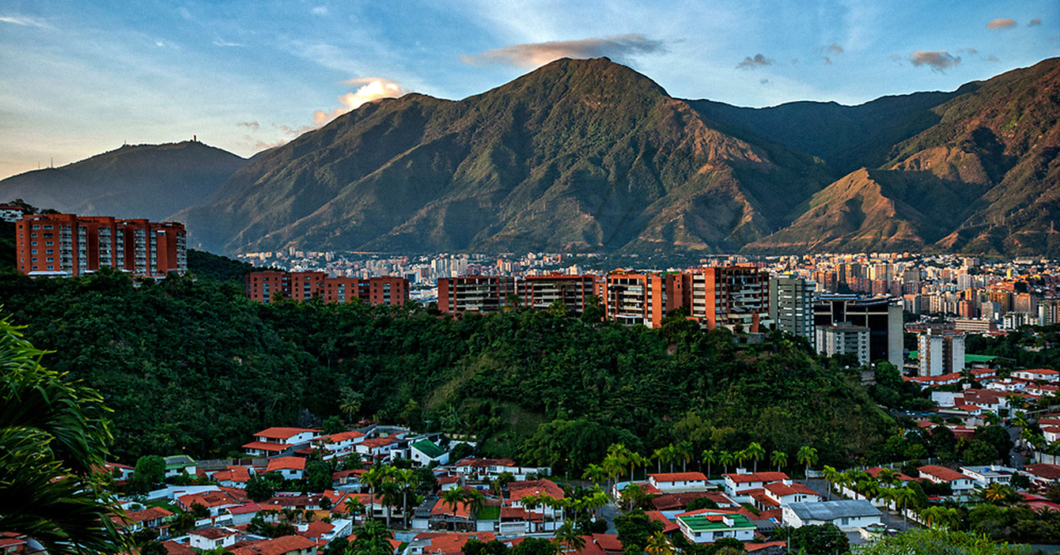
pixel 743 481
pixel 291 468
pixel 958 482
pixel 212 538
pixel 1042 374
pixel 679 481
pixel 847 515
pixel 986 475
pixel 709 526
pixel 273 441
pixel 425 452
pixel 788 492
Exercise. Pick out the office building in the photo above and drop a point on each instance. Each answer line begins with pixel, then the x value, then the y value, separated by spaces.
pixel 940 352
pixel 881 315
pixel 791 305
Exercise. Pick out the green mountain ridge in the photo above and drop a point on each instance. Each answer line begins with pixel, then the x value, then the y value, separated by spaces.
pixel 591 156
pixel 134 181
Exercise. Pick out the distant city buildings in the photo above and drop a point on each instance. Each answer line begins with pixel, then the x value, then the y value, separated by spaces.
pixel 791 306
pixel 881 315
pixel 57 245
pixel 940 352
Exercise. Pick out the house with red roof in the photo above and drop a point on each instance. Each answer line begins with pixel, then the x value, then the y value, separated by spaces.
pixel 787 492
pixel 680 500
pixel 151 517
pixel 212 538
pixel 1043 474
pixel 1039 374
pixel 959 483
pixel 274 441
pixel 215 501
pixel 679 481
pixel 542 518
pixel 743 481
pixel 285 545
pixel 339 445
pixel 233 476
pixel 11 542
pixel 490 469
pixel 291 468
pixel 377 447
pixel 443 543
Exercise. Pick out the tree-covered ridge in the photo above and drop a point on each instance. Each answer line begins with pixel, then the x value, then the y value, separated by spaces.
pixel 195 367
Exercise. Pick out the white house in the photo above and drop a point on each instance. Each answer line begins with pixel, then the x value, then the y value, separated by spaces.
pixel 1043 474
pixel 846 515
pixel 1038 374
pixel 426 452
pixel 377 447
pixel 340 444
pixel 291 468
pixel 273 441
pixel 743 481
pixel 179 464
pixel 491 469
pixel 958 482
pixel 679 481
pixel 212 538
pixel 711 525
pixel 986 475
pixel 788 492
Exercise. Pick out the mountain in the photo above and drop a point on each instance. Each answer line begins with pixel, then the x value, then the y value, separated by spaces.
pixel 583 155
pixel 142 181
pixel 985 178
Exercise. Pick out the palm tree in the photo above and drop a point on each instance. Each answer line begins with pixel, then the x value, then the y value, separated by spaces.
pixel 595 474
pixel 726 458
pixel 475 501
pixel 636 460
pixel 613 465
pixel 658 544
pixel 830 477
pixel 662 454
pixel 568 539
pixel 52 433
pixel 453 497
pixel 374 477
pixel 755 452
pixel 408 480
pixel 1020 419
pixel 354 507
pixel 741 456
pixel 683 452
pixel 998 493
pixel 808 456
pixel 903 498
pixel 888 477
pixel 391 495
pixel 710 457
pixel 779 458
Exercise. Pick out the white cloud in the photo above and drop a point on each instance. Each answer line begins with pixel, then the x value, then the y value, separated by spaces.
pixel 369 89
pixel 24 21
pixel 616 47
pixel 937 60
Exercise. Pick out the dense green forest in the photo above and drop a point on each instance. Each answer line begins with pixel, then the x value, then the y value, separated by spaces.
pixel 192 366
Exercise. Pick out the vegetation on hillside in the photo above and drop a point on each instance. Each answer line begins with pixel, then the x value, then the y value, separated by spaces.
pixel 194 367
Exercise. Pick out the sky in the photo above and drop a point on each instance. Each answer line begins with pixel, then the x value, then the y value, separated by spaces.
pixel 83 77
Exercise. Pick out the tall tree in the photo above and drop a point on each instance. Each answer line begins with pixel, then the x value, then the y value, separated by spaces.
pixel 779 458
pixel 755 452
pixel 710 457
pixel 808 456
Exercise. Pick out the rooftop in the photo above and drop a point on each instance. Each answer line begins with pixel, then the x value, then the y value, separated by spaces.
pixel 832 510
pixel 715 521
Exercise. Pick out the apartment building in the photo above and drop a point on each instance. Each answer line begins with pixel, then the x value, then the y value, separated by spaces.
pixel 573 291
pixel 881 315
pixel 70 245
pixel 475 293
pixel 791 305
pixel 264 287
pixel 729 296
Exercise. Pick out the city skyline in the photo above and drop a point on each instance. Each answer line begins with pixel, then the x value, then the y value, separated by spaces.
pixel 84 79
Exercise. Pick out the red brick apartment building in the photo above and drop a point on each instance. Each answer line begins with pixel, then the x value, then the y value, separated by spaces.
pixel 302 286
pixel 71 245
pixel 474 293
pixel 573 291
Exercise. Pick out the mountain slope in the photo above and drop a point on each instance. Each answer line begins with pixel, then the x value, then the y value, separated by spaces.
pixel 984 179
pixel 143 181
pixel 577 155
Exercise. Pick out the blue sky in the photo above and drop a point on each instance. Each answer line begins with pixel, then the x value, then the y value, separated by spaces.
pixel 82 77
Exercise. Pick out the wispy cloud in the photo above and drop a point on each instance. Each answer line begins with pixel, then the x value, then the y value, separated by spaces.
pixel 754 62
pixel 252 125
pixel 834 48
pixel 937 60
pixel 319 10
pixel 616 47
pixel 24 21
pixel 223 43
pixel 1001 23
pixel 369 89
pixel 1035 22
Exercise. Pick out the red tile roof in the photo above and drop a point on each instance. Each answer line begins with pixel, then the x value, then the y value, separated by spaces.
pixel 679 477
pixel 782 489
pixel 608 542
pixel 174 548
pixel 443 508
pixel 278 546
pixel 233 474
pixel 668 525
pixel 282 433
pixel 286 463
pixel 1042 470
pixel 757 477
pixel 519 490
pixel 942 473
pixel 207 499
pixel 213 533
pixel 450 543
pixel 262 446
pixel 336 438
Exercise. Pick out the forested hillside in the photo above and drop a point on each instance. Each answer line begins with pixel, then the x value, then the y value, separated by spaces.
pixel 194 367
